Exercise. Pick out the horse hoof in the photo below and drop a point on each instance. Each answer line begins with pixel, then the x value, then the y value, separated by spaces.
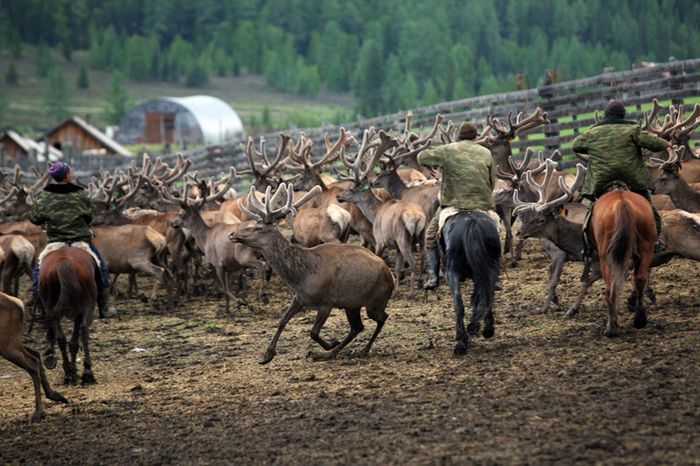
pixel 488 332
pixel 473 328
pixel 38 416
pixel 610 332
pixel 67 380
pixel 460 349
pixel 640 320
pixel 50 361
pixel 571 313
pixel 87 379
pixel 334 343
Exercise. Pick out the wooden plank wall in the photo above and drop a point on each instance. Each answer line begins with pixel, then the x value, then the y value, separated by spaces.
pixel 576 100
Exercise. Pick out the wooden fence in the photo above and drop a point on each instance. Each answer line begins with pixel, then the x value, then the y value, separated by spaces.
pixel 569 105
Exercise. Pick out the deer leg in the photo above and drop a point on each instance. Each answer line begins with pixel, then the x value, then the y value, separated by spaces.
pixel 407 253
pixel 453 281
pixel 355 321
pixel 321 317
pixel 517 255
pixel 15 354
pixel 588 277
pixel 555 269
pixel 379 316
pixel 87 377
pixel 294 308
pixel 50 393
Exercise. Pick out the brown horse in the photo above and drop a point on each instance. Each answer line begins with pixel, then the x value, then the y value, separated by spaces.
pixel 68 281
pixel 623 231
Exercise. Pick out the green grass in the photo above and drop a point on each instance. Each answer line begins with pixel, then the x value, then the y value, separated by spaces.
pixel 247 95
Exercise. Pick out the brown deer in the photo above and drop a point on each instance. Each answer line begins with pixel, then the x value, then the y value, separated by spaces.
pixel 19 256
pixel 12 349
pixel 396 224
pixel 669 182
pixel 224 256
pixel 323 277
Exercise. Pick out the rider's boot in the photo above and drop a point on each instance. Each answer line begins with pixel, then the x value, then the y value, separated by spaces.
pixel 103 304
pixel 433 269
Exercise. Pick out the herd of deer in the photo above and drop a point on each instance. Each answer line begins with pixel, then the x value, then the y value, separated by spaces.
pixel 160 220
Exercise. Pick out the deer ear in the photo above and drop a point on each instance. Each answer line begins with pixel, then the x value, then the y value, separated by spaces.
pixel 563 211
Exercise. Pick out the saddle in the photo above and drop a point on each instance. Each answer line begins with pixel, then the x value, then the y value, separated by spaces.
pixel 447 212
pixel 51 247
pixel 616 185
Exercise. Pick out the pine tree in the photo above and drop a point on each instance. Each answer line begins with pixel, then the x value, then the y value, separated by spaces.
pixel 368 79
pixel 117 99
pixel 83 79
pixel 56 96
pixel 44 61
pixel 3 102
pixel 11 77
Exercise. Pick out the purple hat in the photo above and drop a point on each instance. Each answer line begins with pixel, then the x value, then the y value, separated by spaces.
pixel 59 170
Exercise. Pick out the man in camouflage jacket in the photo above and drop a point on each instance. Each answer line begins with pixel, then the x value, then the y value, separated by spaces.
pixel 612 149
pixel 467 183
pixel 66 211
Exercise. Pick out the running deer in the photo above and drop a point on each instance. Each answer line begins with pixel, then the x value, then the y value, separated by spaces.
pixel 324 277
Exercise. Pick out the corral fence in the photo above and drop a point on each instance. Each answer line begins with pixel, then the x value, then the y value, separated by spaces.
pixel 569 105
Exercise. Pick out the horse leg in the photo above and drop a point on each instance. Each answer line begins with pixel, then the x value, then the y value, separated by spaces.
pixel 74 347
pixel 641 276
pixel 294 308
pixel 321 317
pixel 462 338
pixel 87 377
pixel 69 377
pixel 49 352
pixel 611 329
pixel 355 321
pixel 475 321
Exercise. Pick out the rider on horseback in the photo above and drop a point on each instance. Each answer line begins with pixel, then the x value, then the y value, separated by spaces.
pixel 612 149
pixel 467 183
pixel 67 212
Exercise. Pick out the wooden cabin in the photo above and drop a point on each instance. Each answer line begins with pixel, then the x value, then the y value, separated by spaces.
pixel 84 138
pixel 18 149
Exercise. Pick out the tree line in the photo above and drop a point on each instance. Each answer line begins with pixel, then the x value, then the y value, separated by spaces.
pixel 392 54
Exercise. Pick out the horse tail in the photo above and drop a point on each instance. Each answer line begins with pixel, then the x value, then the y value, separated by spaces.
pixel 621 246
pixel 482 248
pixel 69 288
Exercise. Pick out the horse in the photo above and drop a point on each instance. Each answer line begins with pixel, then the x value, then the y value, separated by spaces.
pixel 471 246
pixel 622 230
pixel 68 283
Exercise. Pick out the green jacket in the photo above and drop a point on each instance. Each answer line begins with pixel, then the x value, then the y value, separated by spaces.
pixel 613 151
pixel 66 210
pixel 467 174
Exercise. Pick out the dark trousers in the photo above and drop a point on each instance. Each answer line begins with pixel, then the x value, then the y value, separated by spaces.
pixel 104 272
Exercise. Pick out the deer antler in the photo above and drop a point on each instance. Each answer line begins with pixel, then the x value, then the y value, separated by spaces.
pixel 521 123
pixel 675 154
pixel 541 204
pixel 277 205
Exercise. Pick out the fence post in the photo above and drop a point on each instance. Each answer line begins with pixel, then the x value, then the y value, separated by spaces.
pixel 546 95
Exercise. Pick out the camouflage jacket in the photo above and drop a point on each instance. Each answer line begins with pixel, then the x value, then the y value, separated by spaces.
pixel 613 151
pixel 467 174
pixel 66 210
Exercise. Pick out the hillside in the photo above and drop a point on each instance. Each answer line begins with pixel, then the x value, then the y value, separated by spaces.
pixel 248 95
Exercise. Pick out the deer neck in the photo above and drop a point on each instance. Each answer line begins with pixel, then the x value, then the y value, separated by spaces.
pixel 395 185
pixel 682 195
pixel 290 261
pixel 195 224
pixel 369 205
pixel 567 236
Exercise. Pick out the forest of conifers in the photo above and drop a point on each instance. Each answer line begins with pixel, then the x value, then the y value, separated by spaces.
pixel 390 54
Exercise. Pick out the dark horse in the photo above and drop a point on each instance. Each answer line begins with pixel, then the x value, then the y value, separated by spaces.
pixel 472 249
pixel 68 288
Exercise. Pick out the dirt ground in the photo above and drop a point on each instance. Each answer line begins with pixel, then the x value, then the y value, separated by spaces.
pixel 545 389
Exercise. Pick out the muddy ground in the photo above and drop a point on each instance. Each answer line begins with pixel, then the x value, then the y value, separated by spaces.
pixel 545 389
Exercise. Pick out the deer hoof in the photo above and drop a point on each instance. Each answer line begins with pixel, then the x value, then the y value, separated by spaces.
pixel 571 313
pixel 611 332
pixel 488 332
pixel 38 416
pixel 460 349
pixel 473 328
pixel 640 319
pixel 269 355
pixel 55 396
